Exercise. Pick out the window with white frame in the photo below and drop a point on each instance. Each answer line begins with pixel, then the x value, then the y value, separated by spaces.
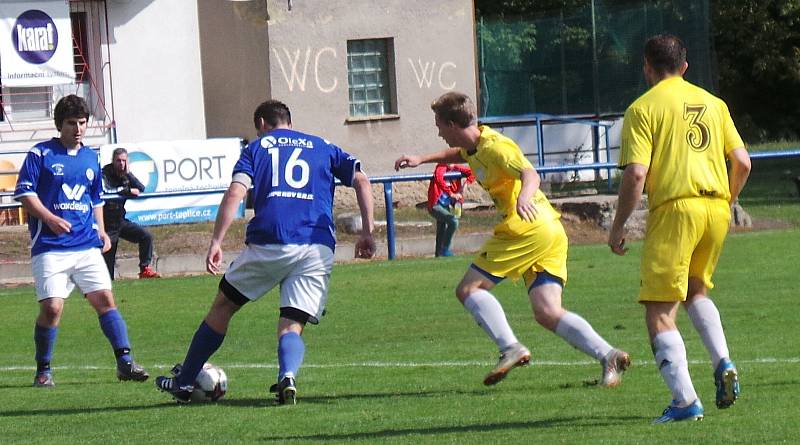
pixel 370 76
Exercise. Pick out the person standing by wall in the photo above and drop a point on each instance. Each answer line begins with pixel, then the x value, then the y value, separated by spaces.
pixel 119 180
pixel 445 198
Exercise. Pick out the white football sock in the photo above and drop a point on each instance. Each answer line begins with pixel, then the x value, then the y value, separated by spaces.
pixel 670 354
pixel 705 318
pixel 486 310
pixel 580 334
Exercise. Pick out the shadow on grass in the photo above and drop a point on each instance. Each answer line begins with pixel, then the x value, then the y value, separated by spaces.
pixel 84 410
pixel 478 428
pixel 324 399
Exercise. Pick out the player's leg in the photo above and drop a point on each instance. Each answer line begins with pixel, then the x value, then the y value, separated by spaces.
pixel 545 296
pixel 473 292
pixel 670 238
pixel 701 309
pixel 91 276
pixel 304 294
pixel 51 279
pixel 44 335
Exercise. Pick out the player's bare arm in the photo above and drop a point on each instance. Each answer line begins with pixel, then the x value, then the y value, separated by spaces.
pixel 740 170
pixel 450 155
pixel 530 183
pixel 101 228
pixel 225 215
pixel 365 246
pixel 630 193
pixel 33 205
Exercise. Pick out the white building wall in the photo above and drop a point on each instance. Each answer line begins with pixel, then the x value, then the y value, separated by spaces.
pixel 155 68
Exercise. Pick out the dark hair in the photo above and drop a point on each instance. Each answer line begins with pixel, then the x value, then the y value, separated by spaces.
pixel 274 112
pixel 665 53
pixel 118 151
pixel 71 106
pixel 455 107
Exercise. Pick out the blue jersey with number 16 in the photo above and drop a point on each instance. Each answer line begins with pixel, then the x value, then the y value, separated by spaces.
pixel 293 183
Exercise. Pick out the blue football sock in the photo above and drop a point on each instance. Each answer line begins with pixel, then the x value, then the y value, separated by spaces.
pixel 115 329
pixel 45 340
pixel 291 349
pixel 204 344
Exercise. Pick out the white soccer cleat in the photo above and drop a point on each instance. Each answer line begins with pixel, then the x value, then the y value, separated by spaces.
pixel 516 355
pixel 614 365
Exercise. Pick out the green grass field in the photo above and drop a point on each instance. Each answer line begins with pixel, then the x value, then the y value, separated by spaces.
pixel 397 360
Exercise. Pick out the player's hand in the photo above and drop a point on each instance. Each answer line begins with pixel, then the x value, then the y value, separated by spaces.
pixel 616 241
pixel 365 246
pixel 527 211
pixel 106 242
pixel 135 192
pixel 406 161
pixel 214 258
pixel 57 225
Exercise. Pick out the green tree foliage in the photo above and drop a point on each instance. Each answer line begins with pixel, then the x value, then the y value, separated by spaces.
pixel 758 52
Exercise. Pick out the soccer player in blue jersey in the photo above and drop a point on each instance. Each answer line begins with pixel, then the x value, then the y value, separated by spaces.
pixel 289 242
pixel 59 185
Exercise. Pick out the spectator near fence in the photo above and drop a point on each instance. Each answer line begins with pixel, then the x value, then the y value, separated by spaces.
pixel 445 198
pixel 118 180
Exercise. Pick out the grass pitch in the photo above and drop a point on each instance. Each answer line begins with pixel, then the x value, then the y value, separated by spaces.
pixel 397 360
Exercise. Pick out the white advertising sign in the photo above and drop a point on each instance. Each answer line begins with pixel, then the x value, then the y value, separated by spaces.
pixel 35 43
pixel 190 166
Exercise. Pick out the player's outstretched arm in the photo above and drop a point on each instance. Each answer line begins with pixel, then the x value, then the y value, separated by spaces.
pixel 227 211
pixel 450 155
pixel 630 192
pixel 365 246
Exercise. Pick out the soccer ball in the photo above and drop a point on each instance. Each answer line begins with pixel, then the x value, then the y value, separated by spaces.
pixel 210 385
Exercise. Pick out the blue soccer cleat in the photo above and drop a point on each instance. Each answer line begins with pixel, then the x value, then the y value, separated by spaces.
pixel 727 381
pixel 676 414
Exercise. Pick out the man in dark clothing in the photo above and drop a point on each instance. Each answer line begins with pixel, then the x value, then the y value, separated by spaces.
pixel 117 179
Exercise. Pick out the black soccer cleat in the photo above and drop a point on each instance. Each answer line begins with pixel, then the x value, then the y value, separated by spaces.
pixel 131 371
pixel 181 394
pixel 286 391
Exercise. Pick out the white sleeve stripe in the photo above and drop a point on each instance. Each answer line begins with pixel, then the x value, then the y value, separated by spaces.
pixel 19 195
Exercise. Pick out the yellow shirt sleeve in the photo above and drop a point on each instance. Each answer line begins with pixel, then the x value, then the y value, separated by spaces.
pixel 511 160
pixel 732 138
pixel 636 144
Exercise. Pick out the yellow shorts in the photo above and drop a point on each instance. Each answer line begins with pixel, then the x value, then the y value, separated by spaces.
pixel 521 249
pixel 683 239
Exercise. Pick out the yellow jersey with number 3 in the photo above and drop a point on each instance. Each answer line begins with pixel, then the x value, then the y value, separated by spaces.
pixel 683 134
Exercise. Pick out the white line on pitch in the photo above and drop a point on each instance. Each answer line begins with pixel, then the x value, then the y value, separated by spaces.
pixel 445 364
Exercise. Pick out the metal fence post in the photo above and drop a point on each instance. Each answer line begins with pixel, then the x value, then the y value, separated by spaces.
pixel 387 197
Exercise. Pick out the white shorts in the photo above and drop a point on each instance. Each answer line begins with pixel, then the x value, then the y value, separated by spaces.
pixel 302 270
pixel 55 274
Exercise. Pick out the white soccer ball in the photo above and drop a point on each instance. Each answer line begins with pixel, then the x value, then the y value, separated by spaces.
pixel 210 385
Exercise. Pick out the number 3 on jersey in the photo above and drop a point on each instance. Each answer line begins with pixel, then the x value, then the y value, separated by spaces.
pixel 698 135
pixel 293 164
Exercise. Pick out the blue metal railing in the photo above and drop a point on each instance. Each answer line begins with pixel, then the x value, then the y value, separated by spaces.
pixel 387 182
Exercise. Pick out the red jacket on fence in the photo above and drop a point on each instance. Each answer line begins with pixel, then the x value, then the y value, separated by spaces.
pixel 441 185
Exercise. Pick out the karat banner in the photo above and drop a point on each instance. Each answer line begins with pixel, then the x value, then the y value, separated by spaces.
pixel 190 166
pixel 35 43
